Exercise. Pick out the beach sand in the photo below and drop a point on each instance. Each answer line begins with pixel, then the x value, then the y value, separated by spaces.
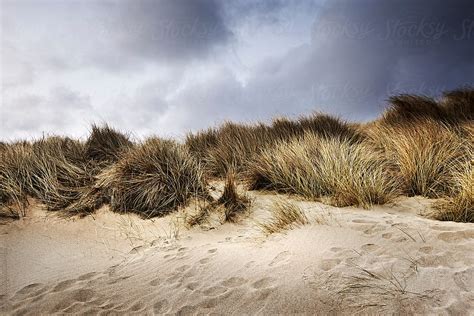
pixel 388 259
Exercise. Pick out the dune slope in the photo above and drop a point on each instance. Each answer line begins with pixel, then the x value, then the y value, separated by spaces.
pixel 386 259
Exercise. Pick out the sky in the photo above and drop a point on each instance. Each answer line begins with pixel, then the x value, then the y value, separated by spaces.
pixel 169 67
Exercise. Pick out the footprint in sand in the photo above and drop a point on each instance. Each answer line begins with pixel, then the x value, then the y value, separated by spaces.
pixel 161 306
pixel 280 258
pixel 138 306
pixel 214 250
pixel 155 282
pixel 182 268
pixel 187 310
pixel 329 264
pixel 263 294
pixel 387 235
pixel 249 264
pixel 204 260
pixel 456 236
pixel 369 247
pixel 192 286
pixel 443 228
pixel 214 290
pixel 465 279
pixel 263 283
pixel 63 285
pixel 209 303
pixel 234 282
pixel 172 279
pixel 83 295
pixel 29 288
pixel 426 249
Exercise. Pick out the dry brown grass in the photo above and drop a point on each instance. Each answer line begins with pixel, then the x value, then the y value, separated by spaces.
pixel 105 145
pixel 427 155
pixel 286 215
pixel 154 178
pixel 460 207
pixel 350 172
pixel 420 146
pixel 455 106
pixel 232 146
pixel 15 174
pixel 234 204
pixel 230 207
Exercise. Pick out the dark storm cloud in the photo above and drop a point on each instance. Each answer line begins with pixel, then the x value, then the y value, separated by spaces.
pixel 378 48
pixel 359 54
pixel 363 51
pixel 170 66
pixel 170 29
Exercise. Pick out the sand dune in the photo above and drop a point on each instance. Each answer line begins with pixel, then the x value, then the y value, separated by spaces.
pixel 388 259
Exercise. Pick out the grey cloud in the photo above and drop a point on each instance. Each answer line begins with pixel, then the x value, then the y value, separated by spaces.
pixel 62 111
pixel 360 53
pixel 355 55
pixel 170 29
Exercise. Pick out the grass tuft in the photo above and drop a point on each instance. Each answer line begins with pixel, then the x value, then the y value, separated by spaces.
pixel 105 145
pixel 233 202
pixel 426 154
pixel 154 178
pixel 351 173
pixel 286 215
pixel 460 207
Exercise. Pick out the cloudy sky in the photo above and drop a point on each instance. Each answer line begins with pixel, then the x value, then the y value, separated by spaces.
pixel 169 67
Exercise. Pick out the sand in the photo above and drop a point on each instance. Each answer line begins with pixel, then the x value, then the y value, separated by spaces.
pixel 389 259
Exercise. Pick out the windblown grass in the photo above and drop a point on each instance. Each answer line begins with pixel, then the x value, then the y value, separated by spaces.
pixel 229 207
pixel 427 155
pixel 460 207
pixel 351 173
pixel 232 146
pixel 420 146
pixel 286 215
pixel 105 145
pixel 58 171
pixel 154 178
pixel 15 177
pixel 234 203
pixel 456 106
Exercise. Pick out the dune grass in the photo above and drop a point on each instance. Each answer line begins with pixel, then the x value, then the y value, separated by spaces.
pixel 232 146
pixel 454 107
pixel 460 206
pixel 286 215
pixel 155 177
pixel 231 206
pixel 105 145
pixel 234 204
pixel 349 172
pixel 427 155
pixel 419 146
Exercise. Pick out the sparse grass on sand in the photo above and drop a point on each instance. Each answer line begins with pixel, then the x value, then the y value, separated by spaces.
pixel 286 215
pixel 230 206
